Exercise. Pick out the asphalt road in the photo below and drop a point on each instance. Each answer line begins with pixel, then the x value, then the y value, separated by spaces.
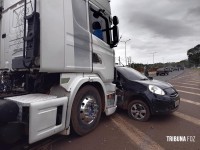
pixel 119 132
pixel 168 77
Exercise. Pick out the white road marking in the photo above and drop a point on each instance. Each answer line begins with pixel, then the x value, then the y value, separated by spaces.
pixel 189 101
pixel 189 92
pixel 187 87
pixel 139 138
pixel 192 81
pixel 186 83
pixel 185 76
pixel 189 80
pixel 187 118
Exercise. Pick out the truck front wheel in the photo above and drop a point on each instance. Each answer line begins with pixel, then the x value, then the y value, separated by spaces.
pixel 86 110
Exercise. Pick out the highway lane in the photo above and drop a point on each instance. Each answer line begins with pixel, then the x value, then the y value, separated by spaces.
pixel 119 132
pixel 168 77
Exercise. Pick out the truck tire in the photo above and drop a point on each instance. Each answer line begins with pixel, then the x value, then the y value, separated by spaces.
pixel 86 110
pixel 11 132
pixel 8 111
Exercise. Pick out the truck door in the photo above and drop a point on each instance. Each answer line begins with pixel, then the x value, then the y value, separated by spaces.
pixel 82 47
pixel 78 53
pixel 103 55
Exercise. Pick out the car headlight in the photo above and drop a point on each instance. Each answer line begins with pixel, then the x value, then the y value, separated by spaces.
pixel 156 90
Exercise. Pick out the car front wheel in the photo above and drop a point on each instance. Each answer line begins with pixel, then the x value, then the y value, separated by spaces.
pixel 138 110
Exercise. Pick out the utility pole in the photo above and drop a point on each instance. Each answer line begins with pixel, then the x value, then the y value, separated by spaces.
pixel 129 60
pixel 125 49
pixel 153 56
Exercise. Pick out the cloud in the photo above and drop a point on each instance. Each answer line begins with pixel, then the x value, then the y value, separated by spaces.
pixel 195 11
pixel 192 16
pixel 169 27
pixel 161 26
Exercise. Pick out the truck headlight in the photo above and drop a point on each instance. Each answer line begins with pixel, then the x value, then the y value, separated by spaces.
pixel 156 90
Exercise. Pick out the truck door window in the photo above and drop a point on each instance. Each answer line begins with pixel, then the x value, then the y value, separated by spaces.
pixel 98 26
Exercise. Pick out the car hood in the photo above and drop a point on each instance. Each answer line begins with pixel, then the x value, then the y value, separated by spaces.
pixel 161 84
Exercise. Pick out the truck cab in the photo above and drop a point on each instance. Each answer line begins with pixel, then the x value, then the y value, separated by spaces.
pixel 55 72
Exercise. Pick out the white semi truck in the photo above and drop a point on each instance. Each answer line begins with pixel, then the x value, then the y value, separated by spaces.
pixel 54 72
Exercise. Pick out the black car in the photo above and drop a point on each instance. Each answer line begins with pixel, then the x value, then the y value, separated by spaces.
pixel 143 97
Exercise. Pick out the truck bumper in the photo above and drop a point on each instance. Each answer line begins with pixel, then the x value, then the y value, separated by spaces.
pixel 110 111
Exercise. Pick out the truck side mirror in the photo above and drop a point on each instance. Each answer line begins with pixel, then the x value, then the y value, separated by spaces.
pixel 97 14
pixel 115 20
pixel 115 32
pixel 115 36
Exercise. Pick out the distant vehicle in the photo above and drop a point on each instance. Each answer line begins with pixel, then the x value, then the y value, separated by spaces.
pixel 168 69
pixel 162 71
pixel 182 68
pixel 143 97
pixel 176 69
pixel 171 69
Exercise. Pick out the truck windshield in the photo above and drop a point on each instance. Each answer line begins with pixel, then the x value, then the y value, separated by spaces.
pixel 131 74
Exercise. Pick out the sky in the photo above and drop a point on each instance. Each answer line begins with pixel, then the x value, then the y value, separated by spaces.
pixel 165 29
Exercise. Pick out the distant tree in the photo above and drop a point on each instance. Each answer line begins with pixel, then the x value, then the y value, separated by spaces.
pixel 184 63
pixel 194 55
pixel 137 66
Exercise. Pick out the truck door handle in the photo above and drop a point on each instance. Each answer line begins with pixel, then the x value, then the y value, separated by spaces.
pixel 4 36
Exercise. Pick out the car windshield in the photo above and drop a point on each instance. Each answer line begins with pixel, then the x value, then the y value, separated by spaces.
pixel 131 74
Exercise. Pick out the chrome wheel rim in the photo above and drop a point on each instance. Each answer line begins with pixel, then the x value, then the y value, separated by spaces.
pixel 88 110
pixel 138 111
